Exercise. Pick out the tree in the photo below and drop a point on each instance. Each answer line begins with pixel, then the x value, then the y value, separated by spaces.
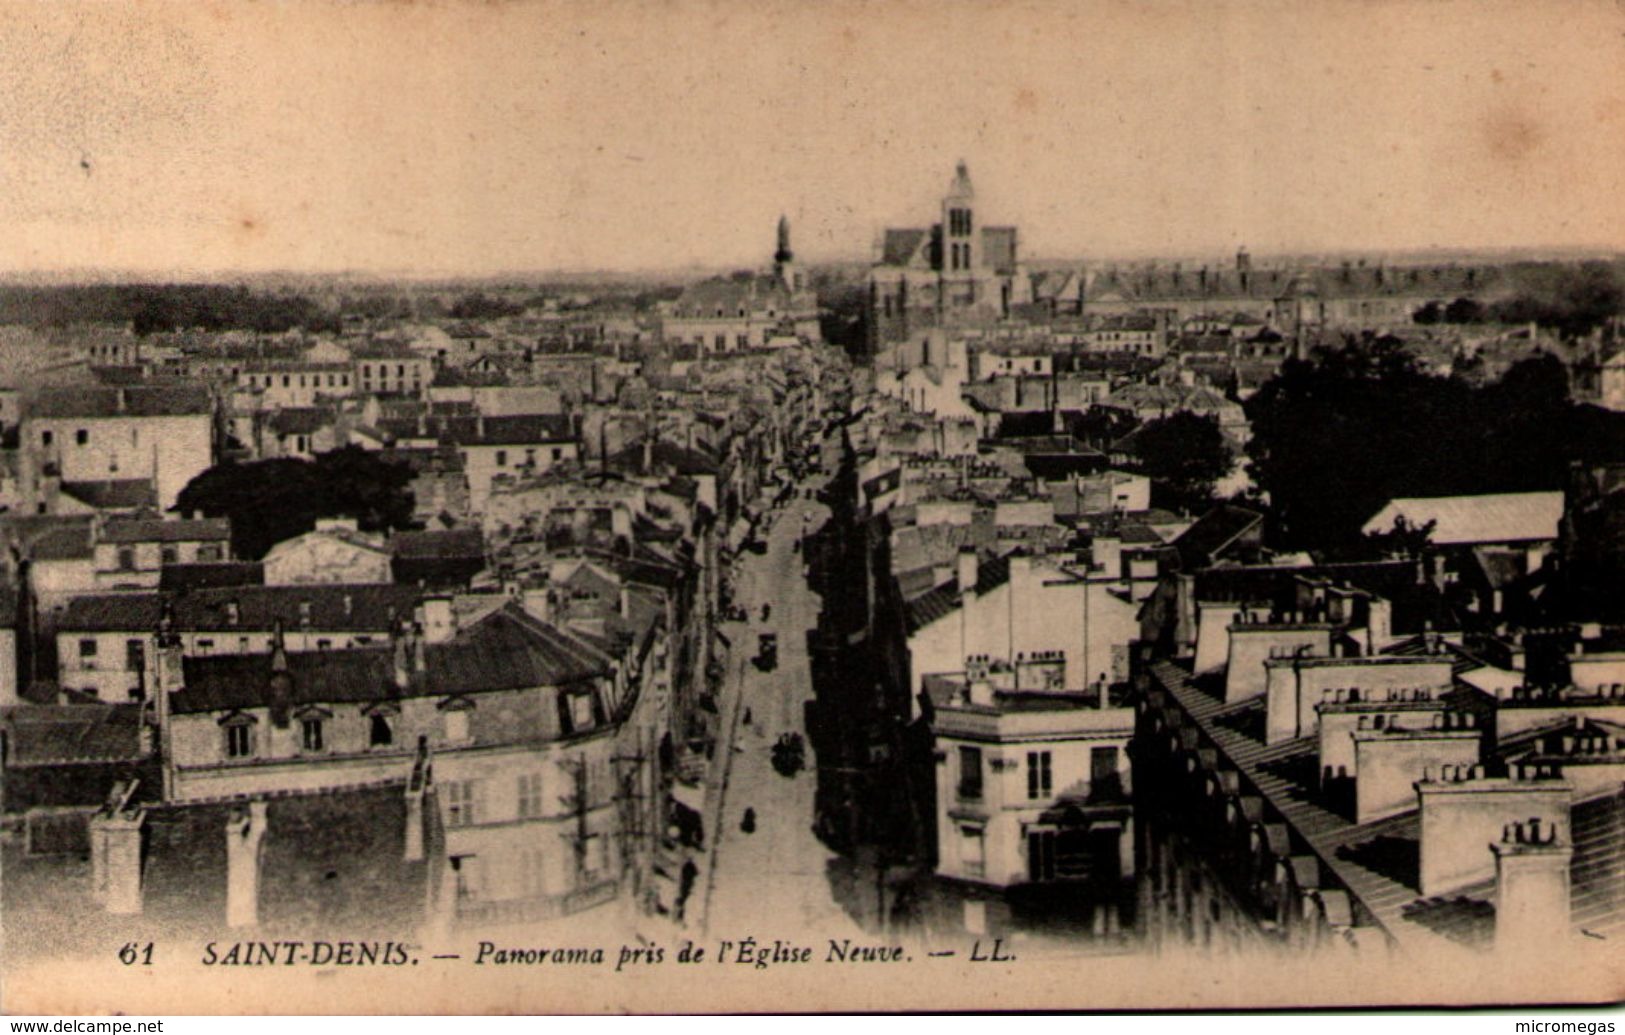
pixel 1403 540
pixel 271 500
pixel 1183 455
pixel 1463 310
pixel 1336 439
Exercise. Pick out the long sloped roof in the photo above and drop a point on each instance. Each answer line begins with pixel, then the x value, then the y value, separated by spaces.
pixel 1493 518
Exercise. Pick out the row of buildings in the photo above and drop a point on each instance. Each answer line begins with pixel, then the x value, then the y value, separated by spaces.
pixel 503 715
pixel 1147 728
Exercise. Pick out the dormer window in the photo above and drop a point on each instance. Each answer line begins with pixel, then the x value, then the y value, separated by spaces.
pixel 238 732
pixel 381 720
pixel 456 714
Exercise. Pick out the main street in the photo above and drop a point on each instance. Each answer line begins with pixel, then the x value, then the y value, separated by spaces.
pixel 773 881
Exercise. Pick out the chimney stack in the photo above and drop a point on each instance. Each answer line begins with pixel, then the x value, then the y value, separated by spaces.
pixel 244 833
pixel 439 621
pixel 968 570
pixel 115 852
pixel 1531 887
pixel 417 789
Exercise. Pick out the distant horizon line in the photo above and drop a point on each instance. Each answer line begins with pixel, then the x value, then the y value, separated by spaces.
pixel 70 275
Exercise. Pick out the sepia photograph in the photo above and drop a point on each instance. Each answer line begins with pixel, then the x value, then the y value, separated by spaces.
pixel 790 507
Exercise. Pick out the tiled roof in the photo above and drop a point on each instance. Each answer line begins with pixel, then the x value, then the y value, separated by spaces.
pixel 944 600
pixel 506 650
pixel 48 735
pixel 1204 542
pixel 1491 518
pixel 730 294
pixel 899 246
pixel 527 429
pixel 302 420
pixel 157 530
pixel 451 542
pixel 666 456
pixel 114 495
pixel 132 401
pixel 211 575
pixel 362 608
pixel 55 538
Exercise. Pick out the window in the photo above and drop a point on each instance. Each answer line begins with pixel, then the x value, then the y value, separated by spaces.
pixel 46 438
pixel 135 655
pixel 470 877
pixel 532 878
pixel 310 733
pixel 168 554
pixel 594 857
pixel 239 740
pixel 970 773
pixel 1103 778
pixel 530 796
pixel 126 558
pixel 87 653
pixel 457 725
pixel 1041 855
pixel 462 803
pixel 205 646
pixel 324 644
pixel 82 436
pixel 1040 778
pixel 502 458
pixel 557 453
pixel 381 734
pixel 581 710
pixel 972 853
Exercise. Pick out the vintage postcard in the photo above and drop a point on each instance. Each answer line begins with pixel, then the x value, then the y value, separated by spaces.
pixel 716 506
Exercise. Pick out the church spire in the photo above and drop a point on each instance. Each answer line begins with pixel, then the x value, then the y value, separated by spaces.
pixel 784 254
pixel 784 260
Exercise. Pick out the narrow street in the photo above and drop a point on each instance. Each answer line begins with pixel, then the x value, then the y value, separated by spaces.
pixel 774 881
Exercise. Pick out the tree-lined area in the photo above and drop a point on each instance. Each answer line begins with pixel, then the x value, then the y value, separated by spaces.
pixel 272 500
pixel 155 308
pixel 1570 299
pixel 1337 437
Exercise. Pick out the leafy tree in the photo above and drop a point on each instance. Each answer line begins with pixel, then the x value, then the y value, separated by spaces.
pixel 1428 314
pixel 1335 439
pixel 1403 540
pixel 1463 310
pixel 1099 426
pixel 1183 455
pixel 479 306
pixel 272 500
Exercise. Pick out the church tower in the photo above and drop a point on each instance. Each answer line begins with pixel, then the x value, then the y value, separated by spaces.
pixel 961 239
pixel 784 260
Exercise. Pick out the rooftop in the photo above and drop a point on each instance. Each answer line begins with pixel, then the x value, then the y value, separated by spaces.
pixel 1490 518
pixel 1379 862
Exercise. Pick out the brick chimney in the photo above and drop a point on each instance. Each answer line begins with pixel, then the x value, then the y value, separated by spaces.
pixel 417 790
pixel 115 852
pixel 1531 886
pixel 245 830
pixel 967 570
pixel 439 621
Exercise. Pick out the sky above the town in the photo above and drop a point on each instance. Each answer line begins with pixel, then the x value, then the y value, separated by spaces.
pixel 479 138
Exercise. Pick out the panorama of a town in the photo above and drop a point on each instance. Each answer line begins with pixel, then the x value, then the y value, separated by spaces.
pixel 944 599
